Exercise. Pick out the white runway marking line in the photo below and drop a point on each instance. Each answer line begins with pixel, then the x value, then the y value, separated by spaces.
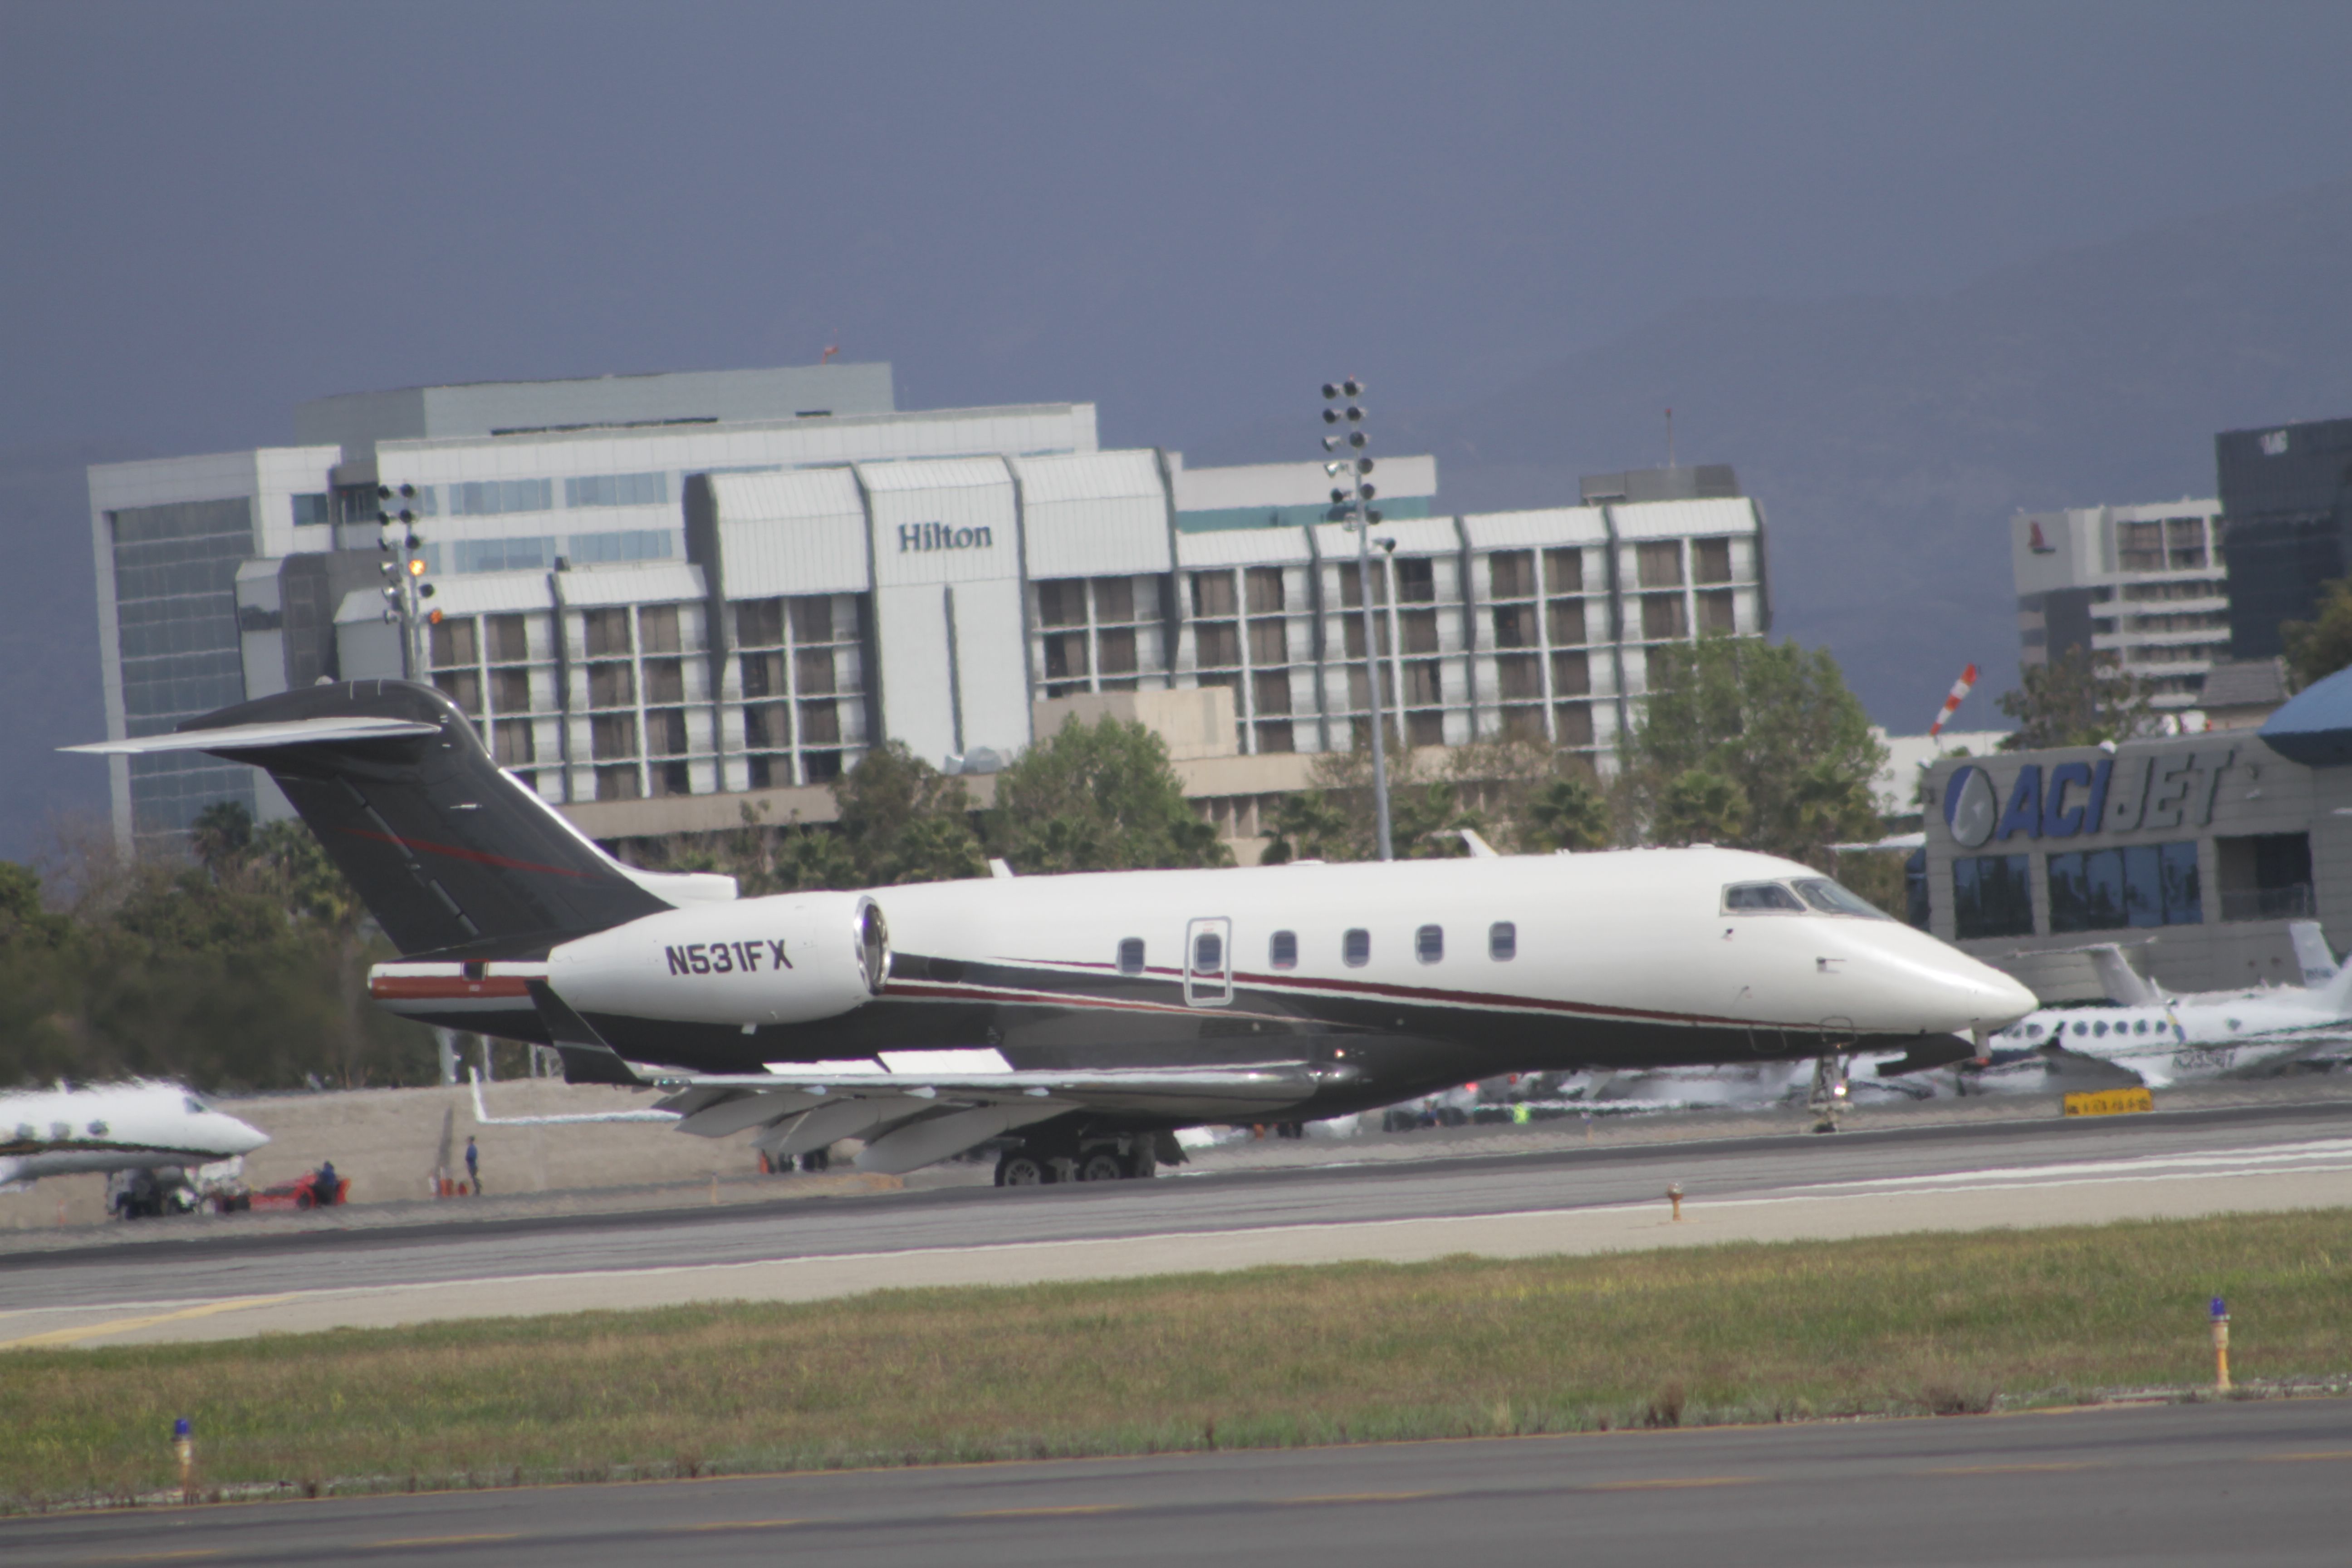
pixel 2158 1168
pixel 2326 1154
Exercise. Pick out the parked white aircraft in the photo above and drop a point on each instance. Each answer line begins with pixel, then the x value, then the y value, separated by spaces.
pixel 114 1127
pixel 1081 1020
pixel 2166 1038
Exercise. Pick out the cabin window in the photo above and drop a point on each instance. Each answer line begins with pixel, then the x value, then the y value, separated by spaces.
pixel 2081 1027
pixel 1356 948
pixel 1503 941
pixel 1752 897
pixel 2100 1028
pixel 2141 1027
pixel 1131 955
pixel 1428 944
pixel 1283 951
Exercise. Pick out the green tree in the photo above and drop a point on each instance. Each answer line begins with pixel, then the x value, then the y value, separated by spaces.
pixel 2320 647
pixel 24 921
pixel 2074 700
pixel 1426 811
pixel 1700 806
pixel 221 834
pixel 1099 797
pixel 1309 826
pixel 1568 814
pixel 1754 744
pixel 904 821
pixel 246 971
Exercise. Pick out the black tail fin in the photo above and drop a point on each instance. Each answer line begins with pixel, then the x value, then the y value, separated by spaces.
pixel 445 850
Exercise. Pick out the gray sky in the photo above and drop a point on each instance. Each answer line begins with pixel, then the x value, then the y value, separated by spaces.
pixel 1189 214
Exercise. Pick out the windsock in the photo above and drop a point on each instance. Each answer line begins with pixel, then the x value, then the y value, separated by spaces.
pixel 1952 703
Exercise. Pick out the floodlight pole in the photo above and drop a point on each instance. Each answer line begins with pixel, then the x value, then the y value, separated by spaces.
pixel 1358 500
pixel 404 594
pixel 1373 671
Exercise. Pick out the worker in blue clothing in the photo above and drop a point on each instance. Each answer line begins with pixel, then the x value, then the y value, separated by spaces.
pixel 473 1167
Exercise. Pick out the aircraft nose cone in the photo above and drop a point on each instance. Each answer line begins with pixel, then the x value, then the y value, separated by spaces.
pixel 243 1137
pixel 1995 1000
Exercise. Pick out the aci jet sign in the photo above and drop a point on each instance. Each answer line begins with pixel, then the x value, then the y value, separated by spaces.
pixel 2114 794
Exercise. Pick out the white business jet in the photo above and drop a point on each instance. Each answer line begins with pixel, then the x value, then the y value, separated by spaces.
pixel 144 1126
pixel 2166 1038
pixel 1074 1021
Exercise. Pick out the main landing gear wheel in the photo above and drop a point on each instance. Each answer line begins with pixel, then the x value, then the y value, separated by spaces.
pixel 1102 1166
pixel 1019 1168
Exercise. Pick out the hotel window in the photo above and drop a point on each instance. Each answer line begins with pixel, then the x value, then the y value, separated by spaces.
pixel 2139 546
pixel 484 664
pixel 1095 633
pixel 493 496
pixel 802 668
pixel 617 490
pixel 1541 623
pixel 1249 635
pixel 1658 564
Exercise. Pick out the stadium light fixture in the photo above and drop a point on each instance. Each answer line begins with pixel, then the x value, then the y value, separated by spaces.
pixel 1339 406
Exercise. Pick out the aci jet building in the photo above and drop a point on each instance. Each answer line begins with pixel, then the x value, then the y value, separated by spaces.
pixel 664 597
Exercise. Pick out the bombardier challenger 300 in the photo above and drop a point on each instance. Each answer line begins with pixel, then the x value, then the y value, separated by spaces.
pixel 1075 1021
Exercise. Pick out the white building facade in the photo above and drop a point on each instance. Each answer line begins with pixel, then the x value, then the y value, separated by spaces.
pixel 2145 588
pixel 639 609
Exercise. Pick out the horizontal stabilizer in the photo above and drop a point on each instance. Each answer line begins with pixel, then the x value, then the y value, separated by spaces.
pixel 482 1117
pixel 262 737
pixel 2123 983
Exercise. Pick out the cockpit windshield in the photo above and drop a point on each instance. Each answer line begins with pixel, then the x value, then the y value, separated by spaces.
pixel 193 1106
pixel 1813 895
pixel 1832 899
pixel 1753 898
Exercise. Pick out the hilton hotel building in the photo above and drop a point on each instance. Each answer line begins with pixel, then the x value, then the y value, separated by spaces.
pixel 666 598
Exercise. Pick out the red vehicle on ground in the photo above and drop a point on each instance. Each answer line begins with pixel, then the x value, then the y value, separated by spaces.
pixel 321 1189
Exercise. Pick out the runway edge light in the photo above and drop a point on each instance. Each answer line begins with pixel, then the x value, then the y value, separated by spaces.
pixel 2220 1345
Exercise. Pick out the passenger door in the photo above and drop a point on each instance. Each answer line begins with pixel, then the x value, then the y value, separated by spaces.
pixel 1208 962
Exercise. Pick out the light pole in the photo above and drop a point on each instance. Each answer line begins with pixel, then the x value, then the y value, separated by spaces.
pixel 404 588
pixel 1342 409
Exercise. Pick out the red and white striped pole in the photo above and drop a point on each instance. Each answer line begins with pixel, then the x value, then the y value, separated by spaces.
pixel 1952 703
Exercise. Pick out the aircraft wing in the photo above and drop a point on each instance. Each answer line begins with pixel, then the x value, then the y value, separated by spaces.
pixel 910 1119
pixel 1194 1091
pixel 260 737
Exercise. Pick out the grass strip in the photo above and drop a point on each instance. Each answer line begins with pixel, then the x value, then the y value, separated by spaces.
pixel 1269 1357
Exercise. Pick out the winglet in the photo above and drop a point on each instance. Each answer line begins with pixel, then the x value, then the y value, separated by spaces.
pixel 1479 849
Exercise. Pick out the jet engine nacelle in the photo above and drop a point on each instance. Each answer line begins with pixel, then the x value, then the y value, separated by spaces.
pixel 787 959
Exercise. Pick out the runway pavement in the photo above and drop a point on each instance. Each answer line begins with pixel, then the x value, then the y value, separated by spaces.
pixel 2246 1484
pixel 1572 1200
